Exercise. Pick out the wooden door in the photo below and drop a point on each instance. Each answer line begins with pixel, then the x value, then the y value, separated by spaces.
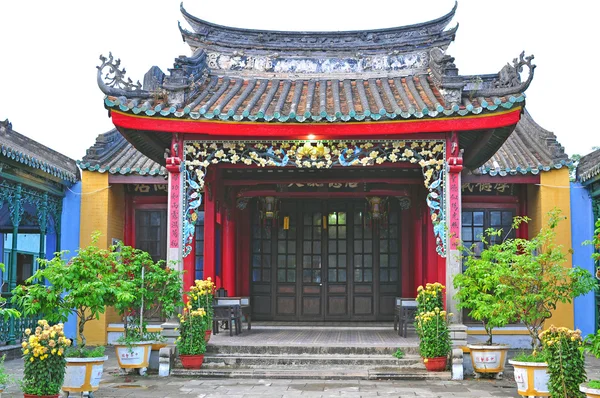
pixel 311 294
pixel 336 278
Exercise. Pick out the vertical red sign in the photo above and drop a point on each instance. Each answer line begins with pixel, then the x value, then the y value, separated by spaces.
pixel 454 208
pixel 174 210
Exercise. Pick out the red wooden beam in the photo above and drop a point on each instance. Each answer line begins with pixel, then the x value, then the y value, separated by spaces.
pixel 301 179
pixel 317 131
pixel 377 192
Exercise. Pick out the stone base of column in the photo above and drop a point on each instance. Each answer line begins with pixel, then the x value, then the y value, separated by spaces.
pixel 169 332
pixel 458 337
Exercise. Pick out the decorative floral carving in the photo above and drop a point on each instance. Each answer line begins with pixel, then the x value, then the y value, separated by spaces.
pixel 430 155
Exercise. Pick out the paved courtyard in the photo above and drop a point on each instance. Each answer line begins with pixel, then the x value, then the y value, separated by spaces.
pixel 115 385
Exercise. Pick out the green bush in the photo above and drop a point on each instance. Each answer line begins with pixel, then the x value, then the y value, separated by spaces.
pixel 562 348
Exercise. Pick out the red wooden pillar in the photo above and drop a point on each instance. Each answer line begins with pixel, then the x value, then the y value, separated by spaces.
pixel 418 248
pixel 229 251
pixel 429 253
pixel 189 266
pixel 406 244
pixel 210 223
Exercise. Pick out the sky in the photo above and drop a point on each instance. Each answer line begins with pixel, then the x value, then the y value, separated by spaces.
pixel 50 50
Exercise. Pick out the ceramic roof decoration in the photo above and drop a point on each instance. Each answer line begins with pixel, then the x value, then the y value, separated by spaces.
pixel 528 150
pixel 274 78
pixel 18 148
pixel 112 153
pixel 589 167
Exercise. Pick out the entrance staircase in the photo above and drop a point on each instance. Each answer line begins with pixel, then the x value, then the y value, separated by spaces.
pixel 313 352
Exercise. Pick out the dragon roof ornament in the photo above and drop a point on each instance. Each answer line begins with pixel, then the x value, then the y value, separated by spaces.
pixel 114 83
pixel 506 82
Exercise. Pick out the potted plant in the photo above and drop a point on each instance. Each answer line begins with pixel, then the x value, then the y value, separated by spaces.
pixel 82 286
pixel 431 323
pixel 201 295
pixel 534 279
pixel 562 349
pixel 44 356
pixel 480 290
pixel 191 343
pixel 143 289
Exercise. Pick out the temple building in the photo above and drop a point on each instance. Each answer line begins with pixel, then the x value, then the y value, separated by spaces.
pixel 322 174
pixel 39 215
pixel 585 213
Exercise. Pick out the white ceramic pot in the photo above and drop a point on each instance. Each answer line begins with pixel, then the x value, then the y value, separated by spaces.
pixel 589 392
pixel 488 359
pixel 83 374
pixel 532 378
pixel 134 356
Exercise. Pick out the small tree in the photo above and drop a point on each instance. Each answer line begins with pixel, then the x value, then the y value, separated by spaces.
pixel 83 285
pixel 479 286
pixel 6 312
pixel 144 289
pixel 531 278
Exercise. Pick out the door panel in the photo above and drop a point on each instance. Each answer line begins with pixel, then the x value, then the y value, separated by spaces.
pixel 312 260
pixel 332 263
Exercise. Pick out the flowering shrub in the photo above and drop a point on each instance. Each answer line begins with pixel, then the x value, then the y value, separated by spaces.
pixel 431 321
pixel 43 353
pixel 430 297
pixel 563 352
pixel 192 328
pixel 201 296
pixel 434 336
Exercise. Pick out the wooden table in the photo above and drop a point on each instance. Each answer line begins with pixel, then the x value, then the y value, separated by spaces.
pixel 243 302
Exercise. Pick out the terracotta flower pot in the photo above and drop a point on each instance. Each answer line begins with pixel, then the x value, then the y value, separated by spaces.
pixel 436 364
pixel 191 361
pixel 40 396
pixel 207 335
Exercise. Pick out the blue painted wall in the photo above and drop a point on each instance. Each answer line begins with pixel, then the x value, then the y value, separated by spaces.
pixel 69 239
pixel 582 227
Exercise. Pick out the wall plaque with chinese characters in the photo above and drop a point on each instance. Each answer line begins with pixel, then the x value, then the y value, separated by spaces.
pixel 147 189
pixel 488 189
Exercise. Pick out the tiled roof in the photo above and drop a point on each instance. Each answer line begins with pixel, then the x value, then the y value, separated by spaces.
pixel 315 100
pixel 529 149
pixel 589 166
pixel 21 149
pixel 112 153
pixel 270 76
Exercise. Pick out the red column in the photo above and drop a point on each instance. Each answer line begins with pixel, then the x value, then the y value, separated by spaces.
pixel 429 253
pixel 189 266
pixel 229 252
pixel 210 226
pixel 418 248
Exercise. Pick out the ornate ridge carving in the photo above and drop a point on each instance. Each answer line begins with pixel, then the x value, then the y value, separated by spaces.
pixel 114 83
pixel 508 80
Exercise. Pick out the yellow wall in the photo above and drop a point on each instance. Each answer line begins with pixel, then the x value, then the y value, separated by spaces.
pixel 553 192
pixel 102 209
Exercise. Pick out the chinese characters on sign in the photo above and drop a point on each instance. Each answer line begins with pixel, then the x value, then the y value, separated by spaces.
pixel 454 210
pixel 486 188
pixel 174 211
pixel 147 188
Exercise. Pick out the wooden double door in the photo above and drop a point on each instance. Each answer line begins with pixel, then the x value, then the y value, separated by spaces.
pixel 328 262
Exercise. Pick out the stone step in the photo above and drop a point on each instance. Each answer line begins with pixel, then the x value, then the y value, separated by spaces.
pixel 317 373
pixel 267 360
pixel 307 350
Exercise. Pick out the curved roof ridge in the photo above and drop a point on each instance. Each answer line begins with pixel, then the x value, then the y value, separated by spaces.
pixel 442 22
pixel 210 34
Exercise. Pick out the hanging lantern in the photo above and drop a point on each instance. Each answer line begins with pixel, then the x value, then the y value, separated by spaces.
pixel 377 211
pixel 375 207
pixel 269 208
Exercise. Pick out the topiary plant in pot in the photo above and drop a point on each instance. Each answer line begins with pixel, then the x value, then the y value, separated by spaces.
pixel 83 286
pixel 143 289
pixel 481 291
